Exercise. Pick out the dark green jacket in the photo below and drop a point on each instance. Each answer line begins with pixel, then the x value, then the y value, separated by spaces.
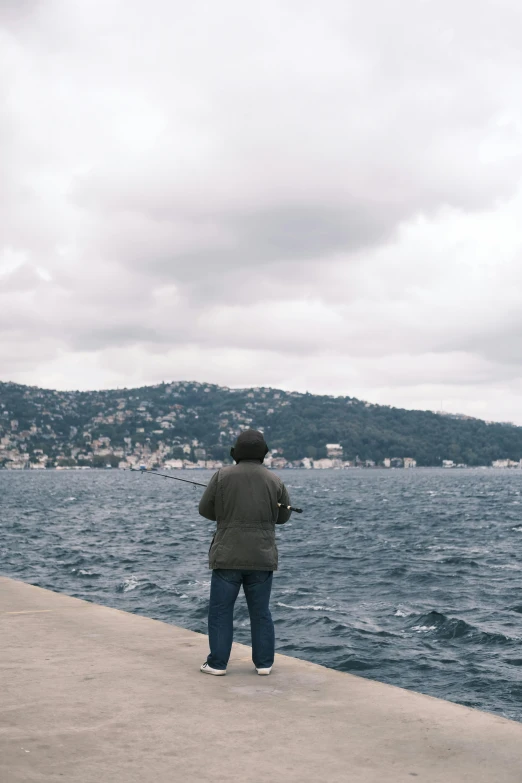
pixel 243 500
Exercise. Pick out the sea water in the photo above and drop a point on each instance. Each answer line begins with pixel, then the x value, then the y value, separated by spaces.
pixel 410 577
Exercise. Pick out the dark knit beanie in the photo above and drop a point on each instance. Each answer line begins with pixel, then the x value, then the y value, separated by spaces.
pixel 250 444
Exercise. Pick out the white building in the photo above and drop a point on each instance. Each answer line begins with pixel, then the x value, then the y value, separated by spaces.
pixel 323 464
pixel 174 464
pixel 409 462
pixel 505 463
pixel 448 463
pixel 334 450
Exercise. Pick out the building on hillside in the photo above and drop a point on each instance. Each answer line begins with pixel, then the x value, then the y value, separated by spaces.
pixel 386 462
pixel 334 450
pixel 409 462
pixel 173 464
pixel 505 463
pixel 323 464
pixel 448 463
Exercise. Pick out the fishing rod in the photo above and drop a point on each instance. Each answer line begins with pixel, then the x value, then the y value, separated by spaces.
pixel 164 475
pixel 198 484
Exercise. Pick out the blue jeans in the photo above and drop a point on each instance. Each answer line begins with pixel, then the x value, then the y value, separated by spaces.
pixel 224 590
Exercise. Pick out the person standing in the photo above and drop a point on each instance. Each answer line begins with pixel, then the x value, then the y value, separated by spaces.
pixel 247 501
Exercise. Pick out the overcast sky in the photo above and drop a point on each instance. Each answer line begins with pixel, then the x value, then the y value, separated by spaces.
pixel 320 196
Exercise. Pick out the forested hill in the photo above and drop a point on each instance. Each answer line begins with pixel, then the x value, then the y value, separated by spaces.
pixel 193 420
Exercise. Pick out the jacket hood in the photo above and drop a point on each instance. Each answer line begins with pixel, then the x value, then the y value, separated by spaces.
pixel 250 444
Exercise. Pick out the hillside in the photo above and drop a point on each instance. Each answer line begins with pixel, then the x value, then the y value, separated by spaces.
pixel 195 421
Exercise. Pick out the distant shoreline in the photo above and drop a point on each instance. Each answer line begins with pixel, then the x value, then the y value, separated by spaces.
pixel 379 468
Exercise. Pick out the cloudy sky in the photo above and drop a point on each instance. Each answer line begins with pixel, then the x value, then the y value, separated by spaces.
pixel 315 196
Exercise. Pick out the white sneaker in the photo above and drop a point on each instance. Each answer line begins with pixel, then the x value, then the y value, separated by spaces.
pixel 209 670
pixel 263 671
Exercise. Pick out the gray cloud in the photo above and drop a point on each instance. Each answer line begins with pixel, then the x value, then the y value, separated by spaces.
pixel 219 191
pixel 13 12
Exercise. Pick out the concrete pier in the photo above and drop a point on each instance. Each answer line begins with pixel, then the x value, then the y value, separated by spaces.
pixel 95 695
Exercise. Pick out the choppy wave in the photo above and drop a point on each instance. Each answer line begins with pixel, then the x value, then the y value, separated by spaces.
pixel 128 584
pixel 453 628
pixel 307 606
